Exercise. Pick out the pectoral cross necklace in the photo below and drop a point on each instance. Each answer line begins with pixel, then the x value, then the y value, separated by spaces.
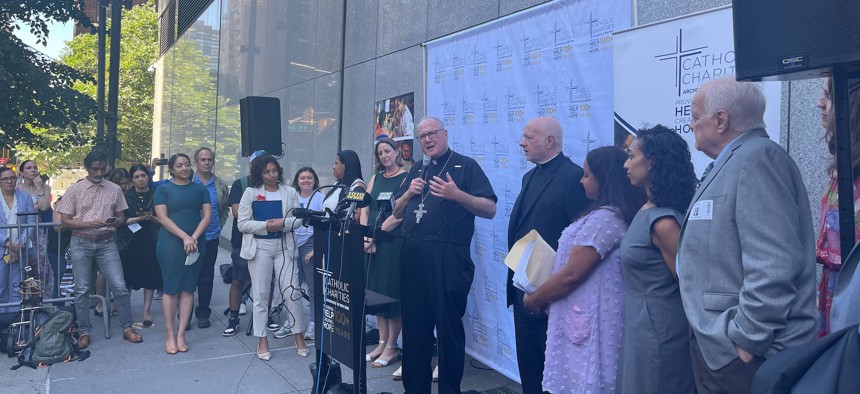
pixel 419 213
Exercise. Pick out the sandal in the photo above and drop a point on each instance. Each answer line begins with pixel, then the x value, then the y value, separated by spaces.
pixel 368 357
pixel 382 363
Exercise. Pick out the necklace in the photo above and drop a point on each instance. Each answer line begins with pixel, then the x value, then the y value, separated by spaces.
pixel 140 197
pixel 419 213
pixel 387 175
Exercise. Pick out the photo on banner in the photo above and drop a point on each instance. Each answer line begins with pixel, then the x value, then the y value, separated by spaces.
pixel 394 120
pixel 394 117
pixel 677 56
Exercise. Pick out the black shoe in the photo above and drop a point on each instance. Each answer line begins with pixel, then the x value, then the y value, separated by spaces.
pixel 232 327
pixel 203 322
pixel 271 325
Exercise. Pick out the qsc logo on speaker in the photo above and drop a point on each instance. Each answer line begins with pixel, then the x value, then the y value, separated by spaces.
pixel 792 62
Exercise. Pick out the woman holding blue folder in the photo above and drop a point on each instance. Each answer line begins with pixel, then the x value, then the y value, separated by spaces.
pixel 270 247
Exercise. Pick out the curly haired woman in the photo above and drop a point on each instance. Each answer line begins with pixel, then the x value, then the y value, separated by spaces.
pixel 656 348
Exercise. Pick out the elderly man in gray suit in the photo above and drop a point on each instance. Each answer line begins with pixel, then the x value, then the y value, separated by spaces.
pixel 746 257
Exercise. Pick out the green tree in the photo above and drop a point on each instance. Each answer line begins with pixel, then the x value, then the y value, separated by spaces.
pixel 36 92
pixel 138 51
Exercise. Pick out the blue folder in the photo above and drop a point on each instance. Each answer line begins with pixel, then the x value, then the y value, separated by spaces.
pixel 265 210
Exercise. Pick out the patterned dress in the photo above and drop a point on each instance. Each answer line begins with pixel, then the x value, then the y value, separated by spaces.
pixel 827 251
pixel 584 331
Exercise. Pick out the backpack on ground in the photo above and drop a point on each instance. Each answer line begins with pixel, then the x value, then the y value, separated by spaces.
pixel 53 342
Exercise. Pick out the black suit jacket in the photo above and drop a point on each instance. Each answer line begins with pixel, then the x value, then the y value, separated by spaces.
pixel 558 201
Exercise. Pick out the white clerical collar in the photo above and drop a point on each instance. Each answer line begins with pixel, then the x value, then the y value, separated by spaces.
pixel 541 164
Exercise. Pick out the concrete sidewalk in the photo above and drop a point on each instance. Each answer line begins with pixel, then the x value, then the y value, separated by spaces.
pixel 214 364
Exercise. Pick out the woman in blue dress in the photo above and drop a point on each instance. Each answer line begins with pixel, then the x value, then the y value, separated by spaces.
pixel 184 210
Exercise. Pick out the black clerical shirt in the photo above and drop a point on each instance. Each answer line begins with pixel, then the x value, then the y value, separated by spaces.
pixel 445 220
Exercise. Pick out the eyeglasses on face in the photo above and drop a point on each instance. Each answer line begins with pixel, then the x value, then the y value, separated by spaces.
pixel 430 135
pixel 8 179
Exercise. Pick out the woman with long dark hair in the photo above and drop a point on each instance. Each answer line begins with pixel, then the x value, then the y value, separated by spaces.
pixel 583 297
pixel 139 262
pixel 656 346
pixel 827 248
pixel 184 209
pixel 347 171
pixel 266 222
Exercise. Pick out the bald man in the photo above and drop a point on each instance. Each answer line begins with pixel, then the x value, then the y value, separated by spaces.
pixel 550 199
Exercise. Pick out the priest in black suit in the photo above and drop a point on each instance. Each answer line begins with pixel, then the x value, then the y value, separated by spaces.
pixel 550 199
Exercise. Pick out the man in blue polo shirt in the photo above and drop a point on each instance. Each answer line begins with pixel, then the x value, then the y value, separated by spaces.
pixel 204 160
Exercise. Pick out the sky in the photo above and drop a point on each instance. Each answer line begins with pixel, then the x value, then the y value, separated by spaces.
pixel 58 34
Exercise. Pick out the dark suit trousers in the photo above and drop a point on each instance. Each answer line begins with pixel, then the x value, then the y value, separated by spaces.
pixel 435 281
pixel 206 279
pixel 734 378
pixel 531 345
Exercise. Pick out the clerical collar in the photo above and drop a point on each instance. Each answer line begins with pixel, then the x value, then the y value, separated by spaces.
pixel 442 158
pixel 548 162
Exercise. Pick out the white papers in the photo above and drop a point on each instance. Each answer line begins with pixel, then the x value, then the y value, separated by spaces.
pixel 192 258
pixel 531 259
pixel 134 227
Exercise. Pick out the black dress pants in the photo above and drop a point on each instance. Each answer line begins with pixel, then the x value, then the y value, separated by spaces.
pixel 435 281
pixel 531 345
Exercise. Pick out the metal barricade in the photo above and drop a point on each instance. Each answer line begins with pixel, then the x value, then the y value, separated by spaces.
pixel 32 297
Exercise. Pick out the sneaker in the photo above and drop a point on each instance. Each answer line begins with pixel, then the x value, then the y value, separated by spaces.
pixel 203 322
pixel 243 310
pixel 271 325
pixel 309 333
pixel 282 333
pixel 232 327
pixel 398 374
pixel 158 294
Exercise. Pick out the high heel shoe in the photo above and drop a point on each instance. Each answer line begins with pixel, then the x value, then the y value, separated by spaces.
pixel 264 356
pixel 303 352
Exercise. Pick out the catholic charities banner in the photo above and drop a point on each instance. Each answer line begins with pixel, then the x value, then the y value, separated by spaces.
pixel 485 84
pixel 659 67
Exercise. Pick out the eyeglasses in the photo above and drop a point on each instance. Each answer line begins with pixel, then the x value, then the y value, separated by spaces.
pixel 8 179
pixel 430 135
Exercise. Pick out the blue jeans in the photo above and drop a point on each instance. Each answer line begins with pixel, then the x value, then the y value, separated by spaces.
pixel 104 253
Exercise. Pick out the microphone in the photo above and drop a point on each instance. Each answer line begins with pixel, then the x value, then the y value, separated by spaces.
pixel 425 162
pixel 357 198
pixel 305 213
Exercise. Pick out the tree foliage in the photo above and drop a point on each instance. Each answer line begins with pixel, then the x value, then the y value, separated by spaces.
pixel 37 92
pixel 138 52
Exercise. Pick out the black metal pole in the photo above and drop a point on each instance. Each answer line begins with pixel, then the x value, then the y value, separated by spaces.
pixel 100 92
pixel 844 161
pixel 113 79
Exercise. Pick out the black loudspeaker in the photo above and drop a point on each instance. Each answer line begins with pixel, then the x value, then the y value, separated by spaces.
pixel 261 125
pixel 794 39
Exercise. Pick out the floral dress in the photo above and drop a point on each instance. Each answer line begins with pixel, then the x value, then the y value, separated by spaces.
pixel 584 329
pixel 827 251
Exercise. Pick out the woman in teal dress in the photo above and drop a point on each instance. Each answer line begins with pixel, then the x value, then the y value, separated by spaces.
pixel 184 209
pixel 384 261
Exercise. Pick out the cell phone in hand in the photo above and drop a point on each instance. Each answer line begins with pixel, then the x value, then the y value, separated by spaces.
pixel 110 220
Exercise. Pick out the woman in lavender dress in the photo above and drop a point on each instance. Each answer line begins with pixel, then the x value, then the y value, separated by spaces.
pixel 583 297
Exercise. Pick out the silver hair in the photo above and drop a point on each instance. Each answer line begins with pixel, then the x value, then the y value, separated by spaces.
pixel 743 101
pixel 433 118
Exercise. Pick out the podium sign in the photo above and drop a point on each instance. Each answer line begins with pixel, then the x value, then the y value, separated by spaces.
pixel 339 274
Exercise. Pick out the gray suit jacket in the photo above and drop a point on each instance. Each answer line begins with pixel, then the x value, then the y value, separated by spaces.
pixel 747 274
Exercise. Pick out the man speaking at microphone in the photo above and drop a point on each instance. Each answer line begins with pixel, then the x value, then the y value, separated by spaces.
pixel 438 207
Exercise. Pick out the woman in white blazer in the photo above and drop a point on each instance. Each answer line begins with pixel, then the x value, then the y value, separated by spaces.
pixel 268 243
